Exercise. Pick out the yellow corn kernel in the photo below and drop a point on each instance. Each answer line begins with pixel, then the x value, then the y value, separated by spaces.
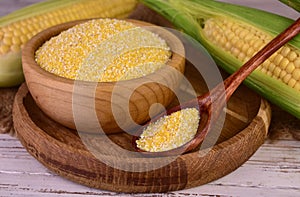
pixel 285 51
pixel 278 59
pixel 296 74
pixel 292 56
pixel 287 78
pixel 272 67
pixel 297 62
pixel 263 70
pixel 292 82
pixel 4 49
pixel 282 74
pixel 170 131
pixel 16 41
pixel 290 67
pixel 282 65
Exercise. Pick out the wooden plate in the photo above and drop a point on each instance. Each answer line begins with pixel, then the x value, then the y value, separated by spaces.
pixel 62 150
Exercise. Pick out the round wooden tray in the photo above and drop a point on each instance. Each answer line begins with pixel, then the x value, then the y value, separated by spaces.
pixel 62 151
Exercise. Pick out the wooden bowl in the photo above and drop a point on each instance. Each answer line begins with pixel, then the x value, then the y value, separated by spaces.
pixel 64 152
pixel 75 104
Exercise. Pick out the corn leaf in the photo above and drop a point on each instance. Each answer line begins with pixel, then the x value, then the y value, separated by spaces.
pixel 295 4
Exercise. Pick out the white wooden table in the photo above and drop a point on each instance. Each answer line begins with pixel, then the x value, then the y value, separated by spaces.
pixel 274 170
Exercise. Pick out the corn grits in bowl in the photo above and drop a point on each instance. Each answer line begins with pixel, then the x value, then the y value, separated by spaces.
pixel 126 51
pixel 109 68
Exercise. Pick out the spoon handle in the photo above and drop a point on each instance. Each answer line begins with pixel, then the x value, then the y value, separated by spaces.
pixel 233 81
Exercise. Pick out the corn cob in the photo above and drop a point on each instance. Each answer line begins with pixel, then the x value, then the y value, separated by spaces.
pixel 295 4
pixel 18 27
pixel 232 34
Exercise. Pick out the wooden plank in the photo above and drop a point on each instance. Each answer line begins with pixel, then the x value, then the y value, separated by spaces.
pixel 272 170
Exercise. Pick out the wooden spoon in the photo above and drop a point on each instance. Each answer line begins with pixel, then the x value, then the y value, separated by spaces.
pixel 204 102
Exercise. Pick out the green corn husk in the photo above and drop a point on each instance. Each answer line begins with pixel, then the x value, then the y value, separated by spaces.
pixel 189 16
pixel 295 4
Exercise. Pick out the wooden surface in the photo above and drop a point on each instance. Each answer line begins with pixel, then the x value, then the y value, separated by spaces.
pixel 272 171
pixel 78 158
